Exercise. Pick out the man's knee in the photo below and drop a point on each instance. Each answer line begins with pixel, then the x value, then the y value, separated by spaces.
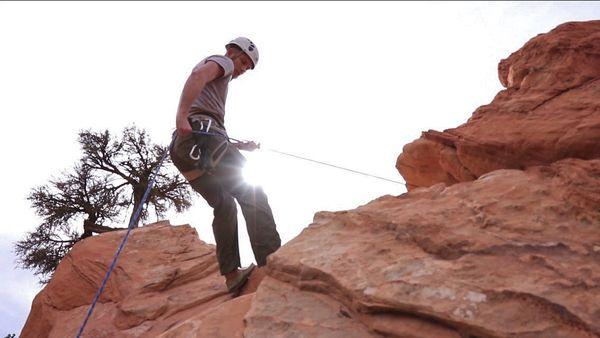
pixel 219 200
pixel 225 205
pixel 251 195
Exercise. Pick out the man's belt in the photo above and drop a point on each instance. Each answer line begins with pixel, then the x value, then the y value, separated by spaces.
pixel 207 152
pixel 207 124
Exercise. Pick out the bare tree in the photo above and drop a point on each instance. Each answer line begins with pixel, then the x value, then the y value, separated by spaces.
pixel 130 162
pixel 111 174
pixel 78 195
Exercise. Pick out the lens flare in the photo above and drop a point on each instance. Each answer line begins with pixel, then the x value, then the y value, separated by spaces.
pixel 255 168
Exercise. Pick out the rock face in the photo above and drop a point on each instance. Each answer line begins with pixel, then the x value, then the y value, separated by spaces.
pixel 164 276
pixel 498 237
pixel 549 111
pixel 514 253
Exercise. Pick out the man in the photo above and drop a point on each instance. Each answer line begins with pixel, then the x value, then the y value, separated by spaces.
pixel 213 166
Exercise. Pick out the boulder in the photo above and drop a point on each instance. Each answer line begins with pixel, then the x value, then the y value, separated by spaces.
pixel 165 275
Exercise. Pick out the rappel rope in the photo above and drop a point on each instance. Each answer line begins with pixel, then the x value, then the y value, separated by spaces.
pixel 129 228
pixel 138 211
pixel 333 165
pixel 207 132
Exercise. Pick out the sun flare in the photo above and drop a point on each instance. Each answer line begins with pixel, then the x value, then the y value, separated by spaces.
pixel 255 168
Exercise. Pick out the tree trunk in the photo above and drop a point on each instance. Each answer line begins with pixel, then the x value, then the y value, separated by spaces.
pixel 138 194
pixel 99 229
pixel 87 231
pixel 90 227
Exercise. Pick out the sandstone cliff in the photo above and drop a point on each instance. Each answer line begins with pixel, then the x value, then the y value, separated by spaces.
pixel 548 111
pixel 498 237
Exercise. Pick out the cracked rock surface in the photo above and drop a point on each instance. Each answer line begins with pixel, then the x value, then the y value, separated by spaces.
pixel 512 254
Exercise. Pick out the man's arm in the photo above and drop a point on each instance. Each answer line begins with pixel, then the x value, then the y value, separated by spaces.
pixel 193 87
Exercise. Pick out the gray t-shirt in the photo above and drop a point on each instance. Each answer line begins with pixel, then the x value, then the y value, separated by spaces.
pixel 211 101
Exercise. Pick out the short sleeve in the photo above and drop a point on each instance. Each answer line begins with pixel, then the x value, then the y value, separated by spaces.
pixel 223 61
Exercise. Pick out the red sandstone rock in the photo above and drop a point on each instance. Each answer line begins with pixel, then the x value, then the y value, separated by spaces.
pixel 258 274
pixel 164 276
pixel 512 254
pixel 224 321
pixel 549 111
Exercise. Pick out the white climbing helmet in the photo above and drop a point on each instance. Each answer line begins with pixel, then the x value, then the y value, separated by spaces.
pixel 248 47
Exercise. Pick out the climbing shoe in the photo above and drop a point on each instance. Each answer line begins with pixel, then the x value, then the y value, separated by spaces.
pixel 234 284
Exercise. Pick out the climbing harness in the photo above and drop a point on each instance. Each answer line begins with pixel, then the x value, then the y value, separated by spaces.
pixel 207 152
pixel 200 151
pixel 195 147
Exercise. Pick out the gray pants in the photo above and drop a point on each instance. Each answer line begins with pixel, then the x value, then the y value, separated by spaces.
pixel 220 188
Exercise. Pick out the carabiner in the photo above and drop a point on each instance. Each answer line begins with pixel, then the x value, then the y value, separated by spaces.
pixel 197 157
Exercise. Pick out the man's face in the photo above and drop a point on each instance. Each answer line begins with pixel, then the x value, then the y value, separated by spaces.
pixel 241 63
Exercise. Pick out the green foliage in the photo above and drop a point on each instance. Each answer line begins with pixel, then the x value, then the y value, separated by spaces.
pixel 95 195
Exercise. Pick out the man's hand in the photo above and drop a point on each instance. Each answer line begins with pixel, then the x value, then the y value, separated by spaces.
pixel 183 127
pixel 247 145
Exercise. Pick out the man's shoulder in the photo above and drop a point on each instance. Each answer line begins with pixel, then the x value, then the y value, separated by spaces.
pixel 223 61
pixel 218 57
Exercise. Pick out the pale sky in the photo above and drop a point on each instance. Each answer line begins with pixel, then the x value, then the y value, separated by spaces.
pixel 348 83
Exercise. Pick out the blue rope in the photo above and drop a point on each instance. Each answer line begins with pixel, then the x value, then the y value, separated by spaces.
pixel 130 227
